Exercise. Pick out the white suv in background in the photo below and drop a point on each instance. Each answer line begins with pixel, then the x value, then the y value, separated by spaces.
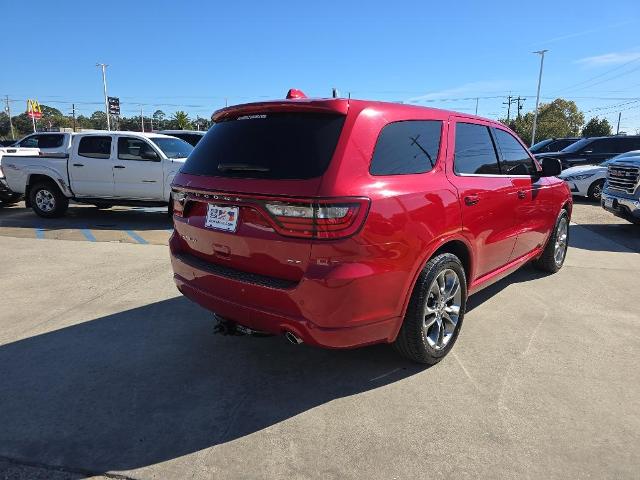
pixel 588 180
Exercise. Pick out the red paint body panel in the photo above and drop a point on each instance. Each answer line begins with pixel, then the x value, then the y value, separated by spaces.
pixel 354 291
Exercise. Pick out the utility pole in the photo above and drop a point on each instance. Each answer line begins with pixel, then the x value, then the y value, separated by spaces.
pixel 104 86
pixel 477 100
pixel 508 104
pixel 73 112
pixel 8 109
pixel 535 115
pixel 141 119
pixel 519 100
pixel 618 127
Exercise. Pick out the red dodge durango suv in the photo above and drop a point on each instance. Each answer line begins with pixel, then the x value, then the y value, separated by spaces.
pixel 343 223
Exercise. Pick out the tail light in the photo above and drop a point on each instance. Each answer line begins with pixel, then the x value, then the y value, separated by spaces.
pixel 323 219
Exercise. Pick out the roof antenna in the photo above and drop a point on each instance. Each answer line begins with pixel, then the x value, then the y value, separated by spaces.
pixel 334 92
pixel 349 99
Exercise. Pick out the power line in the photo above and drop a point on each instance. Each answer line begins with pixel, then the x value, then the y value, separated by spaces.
pixel 598 76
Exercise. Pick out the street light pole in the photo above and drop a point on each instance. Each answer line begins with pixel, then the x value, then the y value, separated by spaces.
pixel 104 86
pixel 535 115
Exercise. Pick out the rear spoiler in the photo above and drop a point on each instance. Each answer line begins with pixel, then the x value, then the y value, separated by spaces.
pixel 339 106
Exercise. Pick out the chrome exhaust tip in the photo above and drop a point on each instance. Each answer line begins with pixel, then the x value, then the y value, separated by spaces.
pixel 292 338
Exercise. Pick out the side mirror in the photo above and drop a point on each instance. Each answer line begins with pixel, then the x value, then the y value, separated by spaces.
pixel 149 155
pixel 551 167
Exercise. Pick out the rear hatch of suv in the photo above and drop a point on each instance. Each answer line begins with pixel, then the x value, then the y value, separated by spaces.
pixel 244 202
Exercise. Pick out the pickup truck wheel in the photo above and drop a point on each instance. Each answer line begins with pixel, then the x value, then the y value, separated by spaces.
pixel 435 312
pixel 47 200
pixel 595 190
pixel 554 253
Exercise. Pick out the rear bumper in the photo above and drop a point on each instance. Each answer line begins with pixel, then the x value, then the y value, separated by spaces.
pixel 320 311
pixel 621 206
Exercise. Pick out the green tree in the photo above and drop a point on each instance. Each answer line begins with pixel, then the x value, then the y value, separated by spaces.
pixel 5 127
pixel 597 128
pixel 159 119
pixel 202 123
pixel 181 120
pixel 560 118
pixel 98 120
pixel 22 124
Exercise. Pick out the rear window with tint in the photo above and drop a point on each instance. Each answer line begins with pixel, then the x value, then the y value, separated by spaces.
pixel 271 146
pixel 407 147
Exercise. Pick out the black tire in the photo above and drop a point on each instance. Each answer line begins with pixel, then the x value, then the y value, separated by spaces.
pixel 595 190
pixel 58 203
pixel 414 339
pixel 547 262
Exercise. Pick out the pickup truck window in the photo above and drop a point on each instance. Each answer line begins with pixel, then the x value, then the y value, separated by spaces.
pixel 514 158
pixel 42 141
pixel 29 142
pixel 95 147
pixel 50 141
pixel 475 153
pixel 173 147
pixel 130 148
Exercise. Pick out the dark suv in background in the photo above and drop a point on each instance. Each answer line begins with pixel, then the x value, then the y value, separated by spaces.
pixel 552 145
pixel 594 150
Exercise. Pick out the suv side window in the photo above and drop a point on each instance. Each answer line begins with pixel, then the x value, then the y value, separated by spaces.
pixel 475 152
pixel 629 143
pixel 514 159
pixel 95 147
pixel 407 147
pixel 130 148
pixel 604 145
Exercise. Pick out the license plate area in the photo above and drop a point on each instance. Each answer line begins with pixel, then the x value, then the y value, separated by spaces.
pixel 608 202
pixel 222 217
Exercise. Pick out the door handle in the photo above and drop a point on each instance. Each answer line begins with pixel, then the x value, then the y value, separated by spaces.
pixel 471 200
pixel 118 166
pixel 78 164
pixel 522 194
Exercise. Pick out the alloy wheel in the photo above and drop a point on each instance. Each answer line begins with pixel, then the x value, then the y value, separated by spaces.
pixel 442 309
pixel 562 233
pixel 45 200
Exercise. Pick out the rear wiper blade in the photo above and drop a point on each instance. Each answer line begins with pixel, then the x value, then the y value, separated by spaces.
pixel 223 167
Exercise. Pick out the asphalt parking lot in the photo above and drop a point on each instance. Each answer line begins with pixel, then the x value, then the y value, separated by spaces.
pixel 106 370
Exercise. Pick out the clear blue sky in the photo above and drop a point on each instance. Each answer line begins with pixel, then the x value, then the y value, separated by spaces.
pixel 192 55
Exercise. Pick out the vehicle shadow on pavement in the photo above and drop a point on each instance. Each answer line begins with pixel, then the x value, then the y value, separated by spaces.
pixel 525 274
pixel 89 217
pixel 615 237
pixel 154 383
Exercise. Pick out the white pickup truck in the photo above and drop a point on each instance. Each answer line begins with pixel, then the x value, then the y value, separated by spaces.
pixel 100 168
